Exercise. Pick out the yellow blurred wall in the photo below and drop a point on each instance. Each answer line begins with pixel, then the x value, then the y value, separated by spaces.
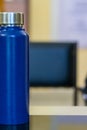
pixel 1 5
pixel 81 66
pixel 39 20
pixel 39 29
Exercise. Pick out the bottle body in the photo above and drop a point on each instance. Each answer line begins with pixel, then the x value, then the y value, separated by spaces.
pixel 14 78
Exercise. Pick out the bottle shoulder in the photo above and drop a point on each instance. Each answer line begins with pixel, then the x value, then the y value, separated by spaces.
pixel 13 31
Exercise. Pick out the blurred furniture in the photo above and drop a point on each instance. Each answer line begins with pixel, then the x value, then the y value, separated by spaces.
pixel 57 122
pixel 68 122
pixel 53 64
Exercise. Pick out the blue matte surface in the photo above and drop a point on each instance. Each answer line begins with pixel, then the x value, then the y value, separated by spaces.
pixel 13 76
pixel 49 64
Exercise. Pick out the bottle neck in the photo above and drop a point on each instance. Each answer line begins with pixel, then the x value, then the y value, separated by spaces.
pixel 11 25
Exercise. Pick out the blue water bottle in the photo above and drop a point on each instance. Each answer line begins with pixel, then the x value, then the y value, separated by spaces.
pixel 14 72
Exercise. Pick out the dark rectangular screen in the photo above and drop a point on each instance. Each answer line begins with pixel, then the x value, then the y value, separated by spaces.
pixel 52 64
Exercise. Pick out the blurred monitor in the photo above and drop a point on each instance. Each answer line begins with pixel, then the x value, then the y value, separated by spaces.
pixel 52 64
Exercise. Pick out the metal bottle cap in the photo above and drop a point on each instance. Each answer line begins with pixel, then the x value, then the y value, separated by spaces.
pixel 11 18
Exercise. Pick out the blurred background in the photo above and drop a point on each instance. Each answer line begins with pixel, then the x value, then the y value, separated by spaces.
pixel 59 122
pixel 55 20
